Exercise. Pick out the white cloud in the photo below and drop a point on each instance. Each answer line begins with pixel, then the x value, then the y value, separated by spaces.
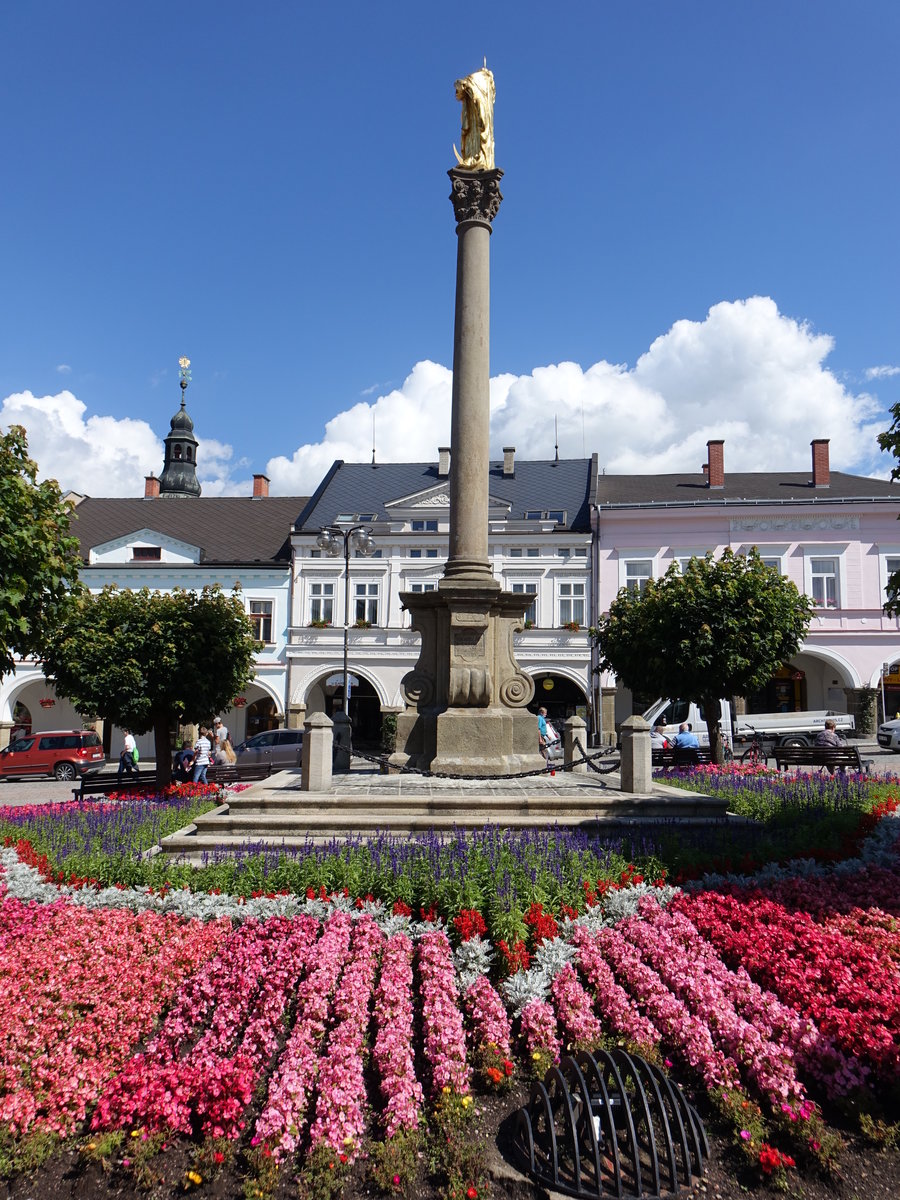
pixel 102 455
pixel 746 373
pixel 881 372
pixel 64 369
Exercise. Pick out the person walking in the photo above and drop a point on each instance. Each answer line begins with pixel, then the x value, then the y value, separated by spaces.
pixel 127 763
pixel 220 731
pixel 202 751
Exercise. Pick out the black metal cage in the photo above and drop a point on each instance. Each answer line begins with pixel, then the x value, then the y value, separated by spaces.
pixel 610 1124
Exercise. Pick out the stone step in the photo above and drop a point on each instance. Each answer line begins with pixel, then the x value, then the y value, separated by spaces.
pixel 331 817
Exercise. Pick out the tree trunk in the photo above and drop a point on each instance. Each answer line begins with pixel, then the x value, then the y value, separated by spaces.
pixel 163 748
pixel 713 712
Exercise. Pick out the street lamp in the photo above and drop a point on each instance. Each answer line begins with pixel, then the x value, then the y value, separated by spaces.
pixel 329 540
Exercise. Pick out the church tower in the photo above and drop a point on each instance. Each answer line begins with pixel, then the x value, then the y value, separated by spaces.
pixel 179 475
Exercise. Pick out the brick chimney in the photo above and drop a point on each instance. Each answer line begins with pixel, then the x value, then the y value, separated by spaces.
pixel 821 469
pixel 151 487
pixel 716 464
pixel 443 460
pixel 509 460
pixel 260 486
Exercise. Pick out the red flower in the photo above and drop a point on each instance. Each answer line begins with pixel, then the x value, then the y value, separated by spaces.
pixel 469 923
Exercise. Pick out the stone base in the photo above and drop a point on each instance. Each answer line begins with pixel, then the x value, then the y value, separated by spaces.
pixel 467 695
pixel 465 741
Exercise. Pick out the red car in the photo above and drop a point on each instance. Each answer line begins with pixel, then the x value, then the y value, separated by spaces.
pixel 64 753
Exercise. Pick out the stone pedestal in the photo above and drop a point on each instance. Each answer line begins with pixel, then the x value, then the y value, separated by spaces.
pixel 467 696
pixel 316 754
pixel 575 744
pixel 342 726
pixel 637 768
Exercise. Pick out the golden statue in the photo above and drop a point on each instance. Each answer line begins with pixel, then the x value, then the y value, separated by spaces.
pixel 477 93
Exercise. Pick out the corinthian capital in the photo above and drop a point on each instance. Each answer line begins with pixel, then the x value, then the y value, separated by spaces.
pixel 475 195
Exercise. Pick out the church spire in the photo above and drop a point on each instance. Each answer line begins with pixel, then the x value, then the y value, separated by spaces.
pixel 179 474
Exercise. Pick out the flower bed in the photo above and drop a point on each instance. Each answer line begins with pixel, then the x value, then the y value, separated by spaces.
pixel 252 1021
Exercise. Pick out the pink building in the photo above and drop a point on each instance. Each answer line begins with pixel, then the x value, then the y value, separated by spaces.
pixel 835 535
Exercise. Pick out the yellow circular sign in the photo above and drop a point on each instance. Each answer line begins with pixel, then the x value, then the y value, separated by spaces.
pixel 547 685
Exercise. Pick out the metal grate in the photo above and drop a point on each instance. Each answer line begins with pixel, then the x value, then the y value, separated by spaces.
pixel 610 1124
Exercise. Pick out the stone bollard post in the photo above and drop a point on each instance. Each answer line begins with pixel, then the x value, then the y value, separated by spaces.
pixel 316 756
pixel 575 734
pixel 637 772
pixel 342 728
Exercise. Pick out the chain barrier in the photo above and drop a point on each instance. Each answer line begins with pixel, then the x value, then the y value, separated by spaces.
pixel 591 761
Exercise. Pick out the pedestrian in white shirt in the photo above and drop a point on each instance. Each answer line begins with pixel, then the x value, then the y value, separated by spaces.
pixel 127 765
pixel 202 751
pixel 221 732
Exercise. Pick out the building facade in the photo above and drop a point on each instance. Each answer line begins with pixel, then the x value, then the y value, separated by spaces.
pixel 540 545
pixel 175 538
pixel 835 535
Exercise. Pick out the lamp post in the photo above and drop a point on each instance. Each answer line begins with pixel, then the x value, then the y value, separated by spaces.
pixel 330 539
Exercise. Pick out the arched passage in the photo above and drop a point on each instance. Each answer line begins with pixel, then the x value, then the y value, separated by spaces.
pixel 326 695
pixel 561 696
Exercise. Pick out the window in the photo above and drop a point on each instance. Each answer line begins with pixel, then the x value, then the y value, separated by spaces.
pixel 515 552
pixel 528 589
pixel 427 553
pixel 774 564
pixel 423 587
pixel 315 554
pixel 424 526
pixel 261 619
pixel 824 580
pixel 557 515
pixel 891 567
pixel 321 602
pixel 367 602
pixel 571 603
pixel 415 553
pixel 146 553
pixel 374 554
pixel 563 552
pixel 638 572
pixel 580 551
pixel 532 552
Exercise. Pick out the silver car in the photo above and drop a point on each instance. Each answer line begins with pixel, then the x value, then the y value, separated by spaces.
pixel 889 736
pixel 281 748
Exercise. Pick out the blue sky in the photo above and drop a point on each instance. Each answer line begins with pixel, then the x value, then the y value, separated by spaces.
pixel 264 189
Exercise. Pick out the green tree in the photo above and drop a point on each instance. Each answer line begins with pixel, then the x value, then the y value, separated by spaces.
pixel 719 628
pixel 145 659
pixel 38 556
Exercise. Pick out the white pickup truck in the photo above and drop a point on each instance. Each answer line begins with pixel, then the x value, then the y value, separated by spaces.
pixel 779 729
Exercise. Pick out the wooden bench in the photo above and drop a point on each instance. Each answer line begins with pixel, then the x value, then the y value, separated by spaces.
pixel 833 757
pixel 679 757
pixel 98 785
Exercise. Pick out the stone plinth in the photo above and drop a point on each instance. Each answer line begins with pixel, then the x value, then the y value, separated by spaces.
pixel 467 696
pixel 316 754
pixel 637 766
pixel 575 744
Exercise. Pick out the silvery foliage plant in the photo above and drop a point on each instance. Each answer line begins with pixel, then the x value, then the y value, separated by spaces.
pixel 523 987
pixel 471 959
pixel 619 903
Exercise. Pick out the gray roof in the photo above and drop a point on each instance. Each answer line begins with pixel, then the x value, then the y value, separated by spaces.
pixel 750 487
pixel 228 529
pixel 364 488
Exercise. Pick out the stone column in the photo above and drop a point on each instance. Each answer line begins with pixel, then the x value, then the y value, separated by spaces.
pixel 316 754
pixel 476 201
pixel 575 736
pixel 637 770
pixel 608 717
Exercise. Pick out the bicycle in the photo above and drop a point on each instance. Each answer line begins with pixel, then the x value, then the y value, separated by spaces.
pixel 756 753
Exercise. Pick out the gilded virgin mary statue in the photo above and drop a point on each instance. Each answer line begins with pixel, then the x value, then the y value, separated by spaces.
pixel 477 93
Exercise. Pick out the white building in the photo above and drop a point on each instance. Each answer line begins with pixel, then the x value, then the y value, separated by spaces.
pixel 174 538
pixel 540 544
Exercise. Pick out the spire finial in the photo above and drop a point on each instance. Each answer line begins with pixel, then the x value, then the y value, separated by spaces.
pixel 184 375
pixel 556 439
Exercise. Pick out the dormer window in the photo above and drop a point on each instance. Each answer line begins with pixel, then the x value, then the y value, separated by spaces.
pixel 556 515
pixel 146 554
pixel 353 518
